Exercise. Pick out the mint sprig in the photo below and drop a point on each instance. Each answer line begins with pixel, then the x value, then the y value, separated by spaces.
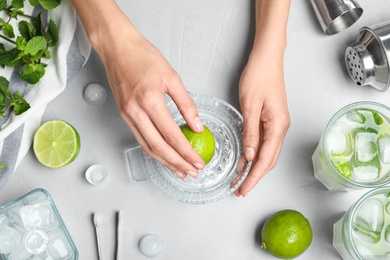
pixel 28 50
pixel 9 100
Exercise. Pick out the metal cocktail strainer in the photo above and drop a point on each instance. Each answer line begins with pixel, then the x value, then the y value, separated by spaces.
pixel 367 59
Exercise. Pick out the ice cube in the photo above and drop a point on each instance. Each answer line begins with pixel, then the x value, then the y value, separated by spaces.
pixel 36 241
pixel 369 220
pixel 4 221
pixel 365 173
pixel 20 253
pixel 365 146
pixel 9 240
pixel 59 247
pixel 340 140
pixel 355 116
pixel 384 148
pixel 37 215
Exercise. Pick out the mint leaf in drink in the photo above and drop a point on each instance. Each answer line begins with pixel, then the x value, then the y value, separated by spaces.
pixel 49 4
pixel 32 73
pixel 377 118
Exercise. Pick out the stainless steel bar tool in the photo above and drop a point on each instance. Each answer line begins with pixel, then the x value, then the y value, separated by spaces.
pixel 367 59
pixel 336 15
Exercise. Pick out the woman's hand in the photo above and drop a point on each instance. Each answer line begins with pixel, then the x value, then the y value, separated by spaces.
pixel 139 77
pixel 266 117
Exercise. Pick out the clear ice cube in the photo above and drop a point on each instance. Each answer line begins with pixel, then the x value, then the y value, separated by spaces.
pixel 9 240
pixel 356 117
pixel 384 149
pixel 369 220
pixel 365 146
pixel 36 241
pixel 37 215
pixel 365 173
pixel 59 247
pixel 340 140
pixel 20 253
pixel 4 221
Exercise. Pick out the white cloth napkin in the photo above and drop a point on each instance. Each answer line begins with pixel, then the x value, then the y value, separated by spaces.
pixel 68 57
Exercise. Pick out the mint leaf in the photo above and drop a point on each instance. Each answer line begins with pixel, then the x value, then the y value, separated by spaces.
pixel 38 25
pixel 7 58
pixel 20 104
pixel 3 4
pixel 8 30
pixel 49 4
pixel 34 2
pixel 26 30
pixel 15 12
pixel 32 73
pixel 20 43
pixel 17 4
pixel 52 33
pixel 35 45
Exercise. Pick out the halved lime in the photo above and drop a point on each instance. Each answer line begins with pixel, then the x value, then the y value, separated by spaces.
pixel 203 143
pixel 56 143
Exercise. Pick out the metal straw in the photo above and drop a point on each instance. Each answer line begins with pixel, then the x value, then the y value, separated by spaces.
pixel 118 221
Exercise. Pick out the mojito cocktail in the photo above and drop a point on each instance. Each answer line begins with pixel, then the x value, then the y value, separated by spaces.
pixel 354 150
pixel 364 231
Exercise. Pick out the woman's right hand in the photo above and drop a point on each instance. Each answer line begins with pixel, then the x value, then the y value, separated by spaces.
pixel 139 77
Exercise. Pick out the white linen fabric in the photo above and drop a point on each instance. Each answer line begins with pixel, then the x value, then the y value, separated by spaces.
pixel 68 57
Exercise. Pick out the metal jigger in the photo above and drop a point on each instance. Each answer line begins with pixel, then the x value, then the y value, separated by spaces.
pixel 336 15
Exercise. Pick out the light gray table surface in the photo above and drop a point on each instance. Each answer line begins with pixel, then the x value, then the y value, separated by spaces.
pixel 207 42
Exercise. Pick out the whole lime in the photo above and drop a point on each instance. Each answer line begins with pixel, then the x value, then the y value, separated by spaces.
pixel 286 234
pixel 203 143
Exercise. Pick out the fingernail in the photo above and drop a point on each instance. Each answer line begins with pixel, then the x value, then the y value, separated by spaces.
pixel 180 174
pixel 198 124
pixel 198 166
pixel 192 174
pixel 249 153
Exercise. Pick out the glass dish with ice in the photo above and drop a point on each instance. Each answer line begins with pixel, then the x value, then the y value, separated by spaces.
pixel 31 228
pixel 354 150
pixel 364 230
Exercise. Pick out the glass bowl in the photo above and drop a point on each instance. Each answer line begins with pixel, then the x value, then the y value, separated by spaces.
pixel 215 181
pixel 31 228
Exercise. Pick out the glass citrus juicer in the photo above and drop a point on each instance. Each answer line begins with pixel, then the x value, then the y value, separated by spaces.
pixel 216 180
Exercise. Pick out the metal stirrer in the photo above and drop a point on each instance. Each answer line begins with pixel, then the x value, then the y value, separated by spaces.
pixel 118 221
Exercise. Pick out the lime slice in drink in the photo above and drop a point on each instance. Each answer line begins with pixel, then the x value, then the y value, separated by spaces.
pixel 56 143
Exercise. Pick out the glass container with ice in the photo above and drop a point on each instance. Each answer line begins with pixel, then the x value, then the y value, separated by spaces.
pixel 31 228
pixel 354 150
pixel 364 230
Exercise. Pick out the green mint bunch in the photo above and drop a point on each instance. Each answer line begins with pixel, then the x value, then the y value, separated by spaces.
pixel 32 46
pixel 9 100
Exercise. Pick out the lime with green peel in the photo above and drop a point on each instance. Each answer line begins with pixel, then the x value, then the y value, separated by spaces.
pixel 286 234
pixel 203 143
pixel 56 143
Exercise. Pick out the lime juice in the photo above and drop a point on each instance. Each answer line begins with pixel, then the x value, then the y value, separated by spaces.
pixel 354 151
pixel 364 231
